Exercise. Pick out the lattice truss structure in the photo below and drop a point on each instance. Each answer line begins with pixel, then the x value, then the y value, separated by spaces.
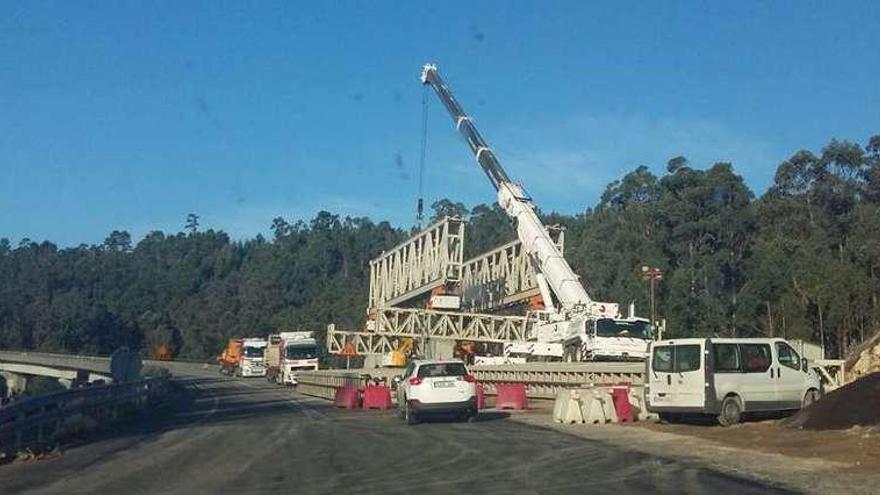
pixel 502 277
pixel 388 326
pixel 431 258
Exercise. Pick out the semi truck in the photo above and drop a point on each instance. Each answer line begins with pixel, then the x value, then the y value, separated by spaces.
pixel 252 354
pixel 287 354
pixel 230 357
pixel 243 357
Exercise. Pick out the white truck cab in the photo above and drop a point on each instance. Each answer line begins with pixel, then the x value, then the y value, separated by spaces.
pixel 618 339
pixel 298 351
pixel 726 378
pixel 587 338
pixel 252 350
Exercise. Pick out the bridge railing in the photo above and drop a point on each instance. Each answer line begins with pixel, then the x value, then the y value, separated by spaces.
pixel 324 383
pixel 38 421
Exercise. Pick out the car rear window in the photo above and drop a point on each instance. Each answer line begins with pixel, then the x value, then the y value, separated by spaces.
pixel 442 369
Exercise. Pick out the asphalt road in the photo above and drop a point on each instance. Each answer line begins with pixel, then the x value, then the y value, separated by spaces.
pixel 223 435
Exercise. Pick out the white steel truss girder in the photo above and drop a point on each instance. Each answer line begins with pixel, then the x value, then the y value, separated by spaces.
pixel 389 325
pixel 364 343
pixel 431 258
pixel 502 276
pixel 450 325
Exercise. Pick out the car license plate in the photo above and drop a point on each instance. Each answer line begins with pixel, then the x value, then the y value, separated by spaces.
pixel 444 384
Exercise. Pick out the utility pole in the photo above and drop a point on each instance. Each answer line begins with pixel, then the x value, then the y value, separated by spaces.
pixel 652 275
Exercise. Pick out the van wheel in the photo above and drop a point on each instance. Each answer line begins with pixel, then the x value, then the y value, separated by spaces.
pixel 731 411
pixel 810 397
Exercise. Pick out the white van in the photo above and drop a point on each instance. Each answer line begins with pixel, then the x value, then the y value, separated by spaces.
pixel 726 378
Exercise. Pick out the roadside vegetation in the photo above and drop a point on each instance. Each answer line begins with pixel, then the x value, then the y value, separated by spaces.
pixel 800 261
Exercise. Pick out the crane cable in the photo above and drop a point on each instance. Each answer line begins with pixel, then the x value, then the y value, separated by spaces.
pixel 420 205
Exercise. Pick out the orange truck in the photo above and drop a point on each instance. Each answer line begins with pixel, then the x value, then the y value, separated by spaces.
pixel 230 358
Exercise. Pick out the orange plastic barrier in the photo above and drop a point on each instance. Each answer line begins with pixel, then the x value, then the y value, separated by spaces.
pixel 511 396
pixel 346 397
pixel 620 397
pixel 377 397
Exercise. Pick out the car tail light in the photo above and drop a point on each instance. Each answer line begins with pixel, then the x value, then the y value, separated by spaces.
pixel 415 381
pixel 470 378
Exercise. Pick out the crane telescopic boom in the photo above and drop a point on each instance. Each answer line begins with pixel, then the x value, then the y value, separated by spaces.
pixel 484 155
pixel 551 267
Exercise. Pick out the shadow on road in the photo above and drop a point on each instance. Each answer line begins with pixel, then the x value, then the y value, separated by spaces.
pixel 706 420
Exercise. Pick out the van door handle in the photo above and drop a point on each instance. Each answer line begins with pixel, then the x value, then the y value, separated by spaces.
pixel 669 379
pixel 778 372
pixel 771 373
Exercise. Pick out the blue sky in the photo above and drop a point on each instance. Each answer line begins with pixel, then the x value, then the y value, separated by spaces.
pixel 129 115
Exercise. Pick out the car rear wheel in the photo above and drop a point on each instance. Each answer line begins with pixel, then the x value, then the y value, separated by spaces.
pixel 409 416
pixel 731 411
pixel 667 417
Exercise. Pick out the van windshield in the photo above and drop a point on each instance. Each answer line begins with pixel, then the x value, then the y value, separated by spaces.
pixel 606 327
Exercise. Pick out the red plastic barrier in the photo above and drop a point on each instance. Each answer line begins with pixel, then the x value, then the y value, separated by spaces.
pixel 511 396
pixel 377 397
pixel 620 397
pixel 481 397
pixel 346 397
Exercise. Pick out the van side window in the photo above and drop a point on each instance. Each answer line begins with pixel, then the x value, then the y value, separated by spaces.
pixel 756 357
pixel 727 358
pixel 661 359
pixel 687 358
pixel 787 356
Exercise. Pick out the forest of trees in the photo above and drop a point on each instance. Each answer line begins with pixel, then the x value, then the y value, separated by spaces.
pixel 800 261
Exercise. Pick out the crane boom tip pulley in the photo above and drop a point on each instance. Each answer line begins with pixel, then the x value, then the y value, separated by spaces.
pixel 425 70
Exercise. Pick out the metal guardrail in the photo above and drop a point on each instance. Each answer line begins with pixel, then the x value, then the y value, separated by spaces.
pixel 543 380
pixel 38 421
pixel 323 383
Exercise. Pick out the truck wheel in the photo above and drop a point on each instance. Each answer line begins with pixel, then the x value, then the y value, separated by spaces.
pixel 731 411
pixel 810 397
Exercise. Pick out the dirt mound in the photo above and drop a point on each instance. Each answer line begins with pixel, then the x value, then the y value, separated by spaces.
pixel 867 360
pixel 857 403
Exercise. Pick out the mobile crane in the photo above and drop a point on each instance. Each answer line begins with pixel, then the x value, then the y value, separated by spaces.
pixel 573 326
